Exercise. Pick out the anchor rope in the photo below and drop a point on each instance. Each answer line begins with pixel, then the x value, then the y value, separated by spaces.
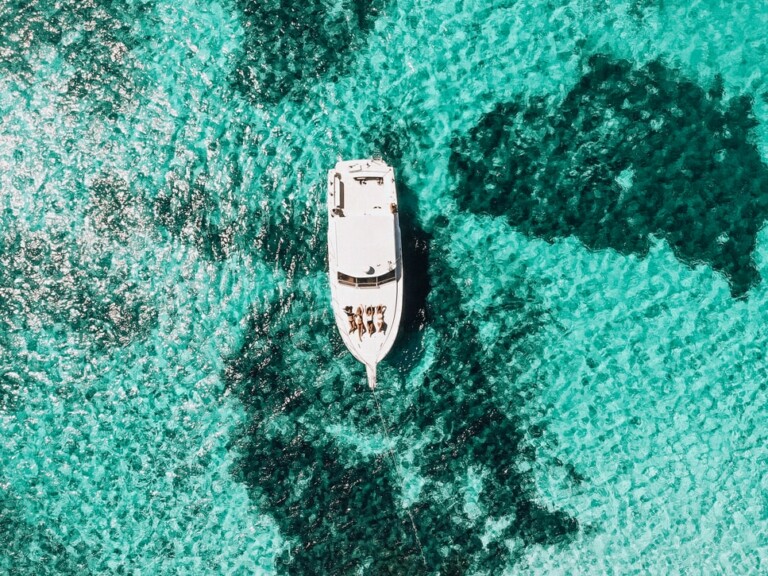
pixel 399 474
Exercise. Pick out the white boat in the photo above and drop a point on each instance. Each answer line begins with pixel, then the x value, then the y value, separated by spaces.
pixel 365 258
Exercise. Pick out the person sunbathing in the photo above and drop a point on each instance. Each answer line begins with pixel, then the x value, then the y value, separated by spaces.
pixel 380 324
pixel 350 318
pixel 369 321
pixel 359 323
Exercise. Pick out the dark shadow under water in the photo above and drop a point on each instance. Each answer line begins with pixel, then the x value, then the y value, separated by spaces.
pixel 340 508
pixel 478 433
pixel 290 45
pixel 33 549
pixel 337 508
pixel 100 80
pixel 395 145
pixel 628 154
pixel 58 285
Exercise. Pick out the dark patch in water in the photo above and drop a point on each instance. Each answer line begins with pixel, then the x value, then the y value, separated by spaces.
pixel 416 247
pixel 629 153
pixel 341 509
pixel 289 233
pixel 291 45
pixel 48 282
pixel 95 38
pixel 396 146
pixel 116 209
pixel 458 396
pixel 640 9
pixel 28 549
pixel 338 508
pixel 221 220
pixel 187 211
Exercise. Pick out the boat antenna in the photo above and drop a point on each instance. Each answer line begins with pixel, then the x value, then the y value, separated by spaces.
pixel 400 475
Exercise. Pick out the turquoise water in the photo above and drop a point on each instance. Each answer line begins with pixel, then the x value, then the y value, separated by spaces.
pixel 580 382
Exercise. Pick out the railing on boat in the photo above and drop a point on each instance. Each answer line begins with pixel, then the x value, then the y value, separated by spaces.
pixel 385 278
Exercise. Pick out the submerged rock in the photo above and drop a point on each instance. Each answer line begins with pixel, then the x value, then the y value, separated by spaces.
pixel 341 507
pixel 628 154
pixel 289 45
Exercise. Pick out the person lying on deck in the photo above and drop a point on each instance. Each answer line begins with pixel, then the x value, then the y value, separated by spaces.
pixel 369 321
pixel 350 319
pixel 380 324
pixel 359 322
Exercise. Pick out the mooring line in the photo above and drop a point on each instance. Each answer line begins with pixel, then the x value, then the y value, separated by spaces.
pixel 399 474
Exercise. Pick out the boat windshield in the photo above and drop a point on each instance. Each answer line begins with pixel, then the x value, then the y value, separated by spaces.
pixel 385 278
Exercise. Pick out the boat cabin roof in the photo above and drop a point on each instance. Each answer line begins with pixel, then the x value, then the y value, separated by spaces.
pixel 366 245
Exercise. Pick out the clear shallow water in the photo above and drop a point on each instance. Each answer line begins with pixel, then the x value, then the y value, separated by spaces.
pixel 580 385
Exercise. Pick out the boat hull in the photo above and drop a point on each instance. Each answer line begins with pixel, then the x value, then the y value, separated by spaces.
pixel 365 259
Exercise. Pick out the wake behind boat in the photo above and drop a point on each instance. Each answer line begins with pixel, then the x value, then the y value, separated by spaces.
pixel 365 258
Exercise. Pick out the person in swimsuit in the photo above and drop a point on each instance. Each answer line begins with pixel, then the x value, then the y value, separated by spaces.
pixel 380 324
pixel 369 321
pixel 359 322
pixel 350 318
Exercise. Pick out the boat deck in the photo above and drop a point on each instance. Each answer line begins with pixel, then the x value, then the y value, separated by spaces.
pixel 364 258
